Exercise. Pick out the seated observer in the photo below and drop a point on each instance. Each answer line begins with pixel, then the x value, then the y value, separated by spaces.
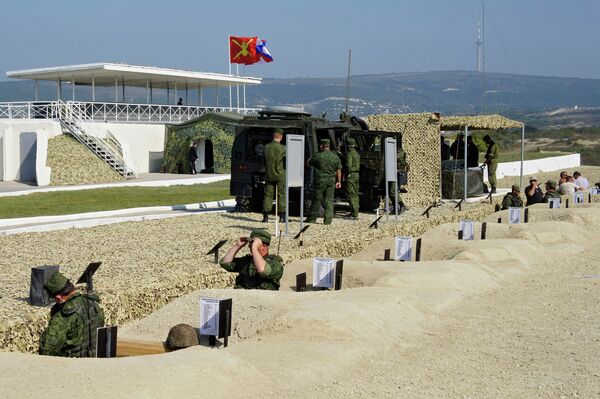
pixel 257 270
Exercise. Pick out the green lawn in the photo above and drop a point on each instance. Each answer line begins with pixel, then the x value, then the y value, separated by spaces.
pixel 105 199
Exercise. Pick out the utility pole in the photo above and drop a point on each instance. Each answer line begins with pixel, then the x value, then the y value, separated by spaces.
pixel 348 80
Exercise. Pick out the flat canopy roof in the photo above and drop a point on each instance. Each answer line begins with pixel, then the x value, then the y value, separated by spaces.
pixel 106 74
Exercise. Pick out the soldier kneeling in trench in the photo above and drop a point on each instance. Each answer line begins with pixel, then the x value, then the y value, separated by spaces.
pixel 258 270
pixel 73 322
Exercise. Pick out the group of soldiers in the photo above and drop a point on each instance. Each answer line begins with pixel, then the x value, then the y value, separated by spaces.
pixel 329 174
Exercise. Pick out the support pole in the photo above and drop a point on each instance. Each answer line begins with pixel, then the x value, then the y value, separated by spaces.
pixel 176 99
pixel 168 94
pixel 522 153
pixel 229 64
pixel 123 90
pixel 151 100
pixel 116 90
pixel 465 188
pixel 217 94
pixel 244 91
pixel 59 89
pixel 36 90
pixel 186 95
pixel 73 89
pixel 93 88
pixel 147 91
pixel 200 95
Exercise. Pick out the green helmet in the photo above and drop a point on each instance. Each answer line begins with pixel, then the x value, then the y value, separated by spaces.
pixel 350 142
pixel 182 336
pixel 263 234
pixel 56 283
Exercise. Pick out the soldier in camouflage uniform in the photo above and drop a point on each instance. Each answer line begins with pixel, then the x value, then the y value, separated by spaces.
pixel 259 269
pixel 327 177
pixel 512 199
pixel 274 176
pixel 71 331
pixel 491 160
pixel 353 167
pixel 551 191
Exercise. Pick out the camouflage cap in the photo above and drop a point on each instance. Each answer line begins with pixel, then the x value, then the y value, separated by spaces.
pixel 56 283
pixel 263 234
pixel 278 130
pixel 350 142
pixel 516 188
pixel 182 336
pixel 324 141
pixel 551 183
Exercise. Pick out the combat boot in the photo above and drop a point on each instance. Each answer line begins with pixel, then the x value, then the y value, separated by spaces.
pixel 265 217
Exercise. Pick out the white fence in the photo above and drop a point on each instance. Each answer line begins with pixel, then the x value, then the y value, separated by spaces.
pixel 113 112
pixel 537 166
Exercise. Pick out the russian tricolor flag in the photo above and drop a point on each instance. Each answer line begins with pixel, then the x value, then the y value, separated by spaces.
pixel 262 53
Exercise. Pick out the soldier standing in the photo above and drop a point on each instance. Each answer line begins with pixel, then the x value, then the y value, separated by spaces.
pixel 353 164
pixel 258 270
pixel 71 331
pixel 491 160
pixel 327 177
pixel 274 176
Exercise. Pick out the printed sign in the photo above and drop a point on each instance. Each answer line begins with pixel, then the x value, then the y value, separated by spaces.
pixel 578 198
pixel 595 190
pixel 553 203
pixel 294 159
pixel 514 215
pixel 391 164
pixel 209 316
pixel 323 272
pixel 403 248
pixel 468 229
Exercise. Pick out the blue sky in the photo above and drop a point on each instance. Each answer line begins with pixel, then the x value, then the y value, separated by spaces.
pixel 306 38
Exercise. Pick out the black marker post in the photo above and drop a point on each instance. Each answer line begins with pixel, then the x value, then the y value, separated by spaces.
pixel 339 270
pixel 526 216
pixel 215 250
pixel 459 205
pixel 106 342
pixel 375 223
pixel 299 235
pixel 301 282
pixel 418 250
pixel 483 230
pixel 88 276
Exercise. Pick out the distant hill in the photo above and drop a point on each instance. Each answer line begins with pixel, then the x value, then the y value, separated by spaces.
pixel 530 98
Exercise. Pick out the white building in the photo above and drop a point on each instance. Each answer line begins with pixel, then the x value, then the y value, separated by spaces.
pixel 130 137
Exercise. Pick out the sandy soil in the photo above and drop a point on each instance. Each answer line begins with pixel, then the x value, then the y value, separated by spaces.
pixel 513 316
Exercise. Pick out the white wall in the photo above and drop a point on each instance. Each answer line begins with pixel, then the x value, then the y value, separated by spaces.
pixel 536 166
pixel 138 140
pixel 10 131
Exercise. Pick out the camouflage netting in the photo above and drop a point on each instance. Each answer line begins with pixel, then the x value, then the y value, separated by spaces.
pixel 479 122
pixel 148 264
pixel 218 128
pixel 72 163
pixel 421 142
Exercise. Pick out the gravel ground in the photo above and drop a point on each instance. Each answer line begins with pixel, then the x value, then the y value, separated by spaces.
pixel 148 264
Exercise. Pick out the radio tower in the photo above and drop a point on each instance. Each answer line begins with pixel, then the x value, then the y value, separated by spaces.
pixel 479 44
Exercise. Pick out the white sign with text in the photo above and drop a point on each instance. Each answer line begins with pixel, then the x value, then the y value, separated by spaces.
pixel 514 215
pixel 209 316
pixel 553 203
pixel 323 272
pixel 578 198
pixel 403 248
pixel 468 229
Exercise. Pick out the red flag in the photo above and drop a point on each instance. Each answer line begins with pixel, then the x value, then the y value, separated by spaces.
pixel 242 50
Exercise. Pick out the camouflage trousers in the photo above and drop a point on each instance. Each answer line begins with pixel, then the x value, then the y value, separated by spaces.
pixel 322 195
pixel 352 192
pixel 270 193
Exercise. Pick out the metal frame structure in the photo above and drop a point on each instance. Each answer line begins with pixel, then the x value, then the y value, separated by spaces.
pixel 123 75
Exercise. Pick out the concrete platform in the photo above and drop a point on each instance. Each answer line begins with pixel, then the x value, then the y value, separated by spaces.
pixel 13 188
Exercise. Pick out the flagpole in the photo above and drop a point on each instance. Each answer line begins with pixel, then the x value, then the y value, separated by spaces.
pixel 229 52
pixel 237 87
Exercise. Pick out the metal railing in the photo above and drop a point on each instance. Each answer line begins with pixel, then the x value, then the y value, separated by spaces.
pixel 108 149
pixel 112 112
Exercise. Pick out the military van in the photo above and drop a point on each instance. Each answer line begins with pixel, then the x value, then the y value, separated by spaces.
pixel 254 132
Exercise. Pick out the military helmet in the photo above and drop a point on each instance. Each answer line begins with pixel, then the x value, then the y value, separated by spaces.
pixel 551 183
pixel 263 234
pixel 182 336
pixel 56 284
pixel 350 142
pixel 516 188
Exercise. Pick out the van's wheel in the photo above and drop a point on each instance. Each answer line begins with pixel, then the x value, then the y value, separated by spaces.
pixel 242 204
